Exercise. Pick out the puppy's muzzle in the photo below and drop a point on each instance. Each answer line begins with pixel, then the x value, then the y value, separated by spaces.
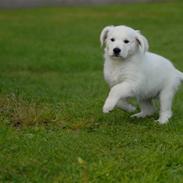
pixel 116 51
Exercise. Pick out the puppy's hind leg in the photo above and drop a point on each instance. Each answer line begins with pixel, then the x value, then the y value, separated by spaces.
pixel 123 104
pixel 166 97
pixel 146 107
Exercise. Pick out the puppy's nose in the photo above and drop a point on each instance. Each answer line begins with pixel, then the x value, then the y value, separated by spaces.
pixel 116 51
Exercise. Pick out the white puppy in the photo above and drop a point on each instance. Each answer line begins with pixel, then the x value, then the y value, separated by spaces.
pixel 132 71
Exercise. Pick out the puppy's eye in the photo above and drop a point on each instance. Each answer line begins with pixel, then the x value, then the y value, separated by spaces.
pixel 126 41
pixel 112 39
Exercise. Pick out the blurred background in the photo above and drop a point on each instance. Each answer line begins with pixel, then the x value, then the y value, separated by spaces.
pixel 34 3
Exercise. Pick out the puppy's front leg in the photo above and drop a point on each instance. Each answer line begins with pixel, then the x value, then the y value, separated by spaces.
pixel 122 90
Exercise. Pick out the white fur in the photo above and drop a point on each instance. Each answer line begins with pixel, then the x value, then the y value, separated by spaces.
pixel 135 72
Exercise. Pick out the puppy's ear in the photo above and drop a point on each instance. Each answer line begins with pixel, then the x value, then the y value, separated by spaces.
pixel 142 42
pixel 103 35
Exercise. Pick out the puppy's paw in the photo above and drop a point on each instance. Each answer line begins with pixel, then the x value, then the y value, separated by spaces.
pixel 138 115
pixel 109 105
pixel 162 121
pixel 164 117
pixel 107 108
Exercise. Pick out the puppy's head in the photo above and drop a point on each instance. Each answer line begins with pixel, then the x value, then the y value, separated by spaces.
pixel 121 41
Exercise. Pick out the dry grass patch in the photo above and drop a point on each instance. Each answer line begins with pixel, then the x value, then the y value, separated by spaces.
pixel 19 112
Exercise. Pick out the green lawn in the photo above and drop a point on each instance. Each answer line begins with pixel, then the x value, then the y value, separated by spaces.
pixel 52 90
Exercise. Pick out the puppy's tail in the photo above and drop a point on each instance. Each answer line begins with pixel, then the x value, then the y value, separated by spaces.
pixel 180 74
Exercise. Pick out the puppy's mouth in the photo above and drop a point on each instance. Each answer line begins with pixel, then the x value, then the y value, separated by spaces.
pixel 116 56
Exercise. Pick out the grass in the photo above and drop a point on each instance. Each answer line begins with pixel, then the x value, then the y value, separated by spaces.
pixel 52 90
